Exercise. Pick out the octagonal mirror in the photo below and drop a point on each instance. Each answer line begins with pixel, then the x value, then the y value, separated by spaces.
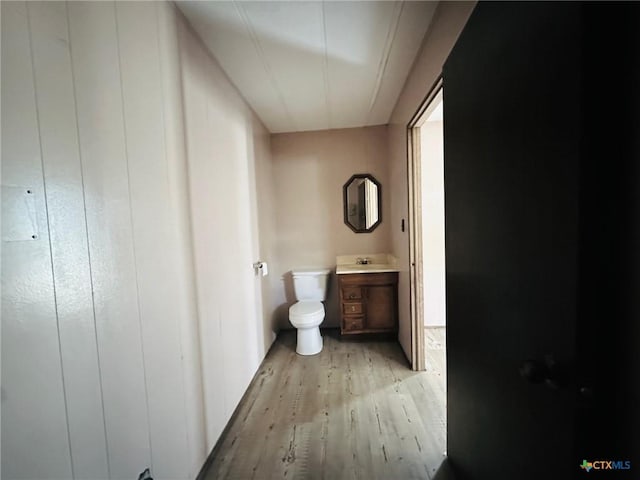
pixel 362 198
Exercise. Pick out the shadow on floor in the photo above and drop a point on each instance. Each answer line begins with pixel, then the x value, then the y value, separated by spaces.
pixel 288 337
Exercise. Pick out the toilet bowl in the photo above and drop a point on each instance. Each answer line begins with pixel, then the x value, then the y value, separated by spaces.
pixel 306 315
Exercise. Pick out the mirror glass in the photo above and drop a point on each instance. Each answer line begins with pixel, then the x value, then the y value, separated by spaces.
pixel 362 195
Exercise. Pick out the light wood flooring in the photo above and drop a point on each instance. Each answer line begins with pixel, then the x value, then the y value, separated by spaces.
pixel 355 411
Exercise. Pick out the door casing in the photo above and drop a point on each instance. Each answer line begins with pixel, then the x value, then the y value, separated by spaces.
pixel 416 254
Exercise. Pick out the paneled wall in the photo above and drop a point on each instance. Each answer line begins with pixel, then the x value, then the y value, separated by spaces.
pixel 132 321
pixel 227 148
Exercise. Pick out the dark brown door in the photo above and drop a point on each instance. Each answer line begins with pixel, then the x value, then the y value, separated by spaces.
pixel 540 277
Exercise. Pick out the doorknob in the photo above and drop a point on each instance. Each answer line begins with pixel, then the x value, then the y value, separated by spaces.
pixel 549 372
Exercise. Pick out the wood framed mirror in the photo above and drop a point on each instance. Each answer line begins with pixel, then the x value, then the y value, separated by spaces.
pixel 362 199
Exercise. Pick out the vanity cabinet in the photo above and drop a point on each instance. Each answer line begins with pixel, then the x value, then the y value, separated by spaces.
pixel 368 302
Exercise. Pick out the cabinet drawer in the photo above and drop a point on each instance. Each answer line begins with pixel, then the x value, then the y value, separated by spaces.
pixel 351 293
pixel 353 323
pixel 351 308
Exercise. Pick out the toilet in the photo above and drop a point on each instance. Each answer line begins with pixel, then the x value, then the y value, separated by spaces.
pixel 310 286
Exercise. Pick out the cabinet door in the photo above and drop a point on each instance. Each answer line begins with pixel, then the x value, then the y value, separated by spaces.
pixel 381 307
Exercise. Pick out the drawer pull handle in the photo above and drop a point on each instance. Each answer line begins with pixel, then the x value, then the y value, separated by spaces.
pixel 352 296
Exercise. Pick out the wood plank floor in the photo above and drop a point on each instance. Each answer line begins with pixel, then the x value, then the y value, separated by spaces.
pixel 355 411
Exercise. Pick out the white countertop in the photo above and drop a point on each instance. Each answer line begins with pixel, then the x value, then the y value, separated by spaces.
pixel 378 263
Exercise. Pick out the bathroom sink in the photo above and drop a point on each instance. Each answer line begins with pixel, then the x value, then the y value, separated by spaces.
pixel 375 263
pixel 369 268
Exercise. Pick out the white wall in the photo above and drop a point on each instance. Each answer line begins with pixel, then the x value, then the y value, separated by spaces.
pixel 229 163
pixel 433 254
pixel 446 25
pixel 111 315
pixel 310 169
pixel 266 235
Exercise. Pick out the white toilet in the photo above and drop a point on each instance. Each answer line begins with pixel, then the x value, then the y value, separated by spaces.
pixel 310 286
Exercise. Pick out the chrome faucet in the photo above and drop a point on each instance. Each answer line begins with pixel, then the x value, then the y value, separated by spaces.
pixel 362 261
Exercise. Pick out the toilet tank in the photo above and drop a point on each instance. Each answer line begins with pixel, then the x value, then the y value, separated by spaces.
pixel 310 283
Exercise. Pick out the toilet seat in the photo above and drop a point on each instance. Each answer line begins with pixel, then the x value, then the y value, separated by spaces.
pixel 306 313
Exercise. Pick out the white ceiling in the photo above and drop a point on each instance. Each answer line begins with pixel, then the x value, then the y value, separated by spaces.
pixel 314 65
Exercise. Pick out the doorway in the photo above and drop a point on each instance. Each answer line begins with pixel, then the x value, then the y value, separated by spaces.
pixel 433 250
pixel 426 238
pixel 427 249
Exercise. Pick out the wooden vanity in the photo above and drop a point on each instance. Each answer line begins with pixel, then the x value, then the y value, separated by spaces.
pixel 368 302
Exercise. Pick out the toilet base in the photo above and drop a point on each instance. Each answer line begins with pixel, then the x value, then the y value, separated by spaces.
pixel 309 341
